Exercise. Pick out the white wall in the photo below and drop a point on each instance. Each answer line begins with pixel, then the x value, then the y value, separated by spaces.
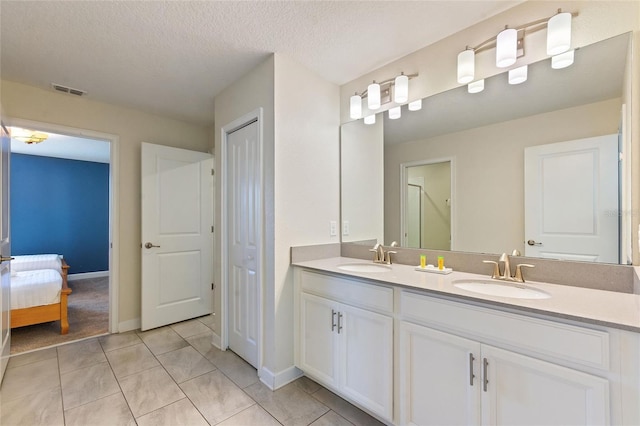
pixel 301 159
pixel 132 127
pixel 489 180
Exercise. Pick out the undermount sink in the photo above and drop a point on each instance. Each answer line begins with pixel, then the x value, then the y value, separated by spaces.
pixel 364 267
pixel 510 290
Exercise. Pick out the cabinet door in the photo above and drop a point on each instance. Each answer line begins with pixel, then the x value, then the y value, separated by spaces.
pixel 439 381
pixel 527 391
pixel 366 359
pixel 318 342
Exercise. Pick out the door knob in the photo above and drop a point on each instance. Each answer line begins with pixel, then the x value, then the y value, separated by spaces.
pixel 533 243
pixel 149 245
pixel 6 259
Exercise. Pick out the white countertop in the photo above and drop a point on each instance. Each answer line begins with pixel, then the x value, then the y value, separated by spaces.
pixel 608 308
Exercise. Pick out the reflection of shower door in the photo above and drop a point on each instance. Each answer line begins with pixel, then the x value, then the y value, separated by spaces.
pixel 414 215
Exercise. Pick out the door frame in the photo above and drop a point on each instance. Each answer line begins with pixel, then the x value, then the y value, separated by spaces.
pixel 114 178
pixel 404 180
pixel 245 120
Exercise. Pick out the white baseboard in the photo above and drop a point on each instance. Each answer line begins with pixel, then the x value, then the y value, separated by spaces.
pixel 125 326
pixel 276 381
pixel 85 275
pixel 216 341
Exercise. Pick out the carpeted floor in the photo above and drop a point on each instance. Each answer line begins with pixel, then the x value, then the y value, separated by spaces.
pixel 88 310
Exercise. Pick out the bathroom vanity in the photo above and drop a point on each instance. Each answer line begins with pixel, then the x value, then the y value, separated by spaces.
pixel 413 348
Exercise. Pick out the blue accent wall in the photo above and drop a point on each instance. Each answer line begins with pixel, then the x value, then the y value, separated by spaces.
pixel 61 206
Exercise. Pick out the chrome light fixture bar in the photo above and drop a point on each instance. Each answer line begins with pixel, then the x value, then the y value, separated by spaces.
pixel 379 93
pixel 509 44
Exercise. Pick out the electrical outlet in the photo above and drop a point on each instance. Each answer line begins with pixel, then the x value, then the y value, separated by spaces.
pixel 345 227
pixel 333 228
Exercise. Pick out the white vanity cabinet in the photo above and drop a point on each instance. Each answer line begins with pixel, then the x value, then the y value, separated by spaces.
pixel 452 376
pixel 345 338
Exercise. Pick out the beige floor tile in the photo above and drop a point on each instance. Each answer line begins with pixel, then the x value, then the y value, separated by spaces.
pixel 43 408
pixel 179 413
pixel 131 360
pixel 202 343
pixel 88 384
pixel 184 364
pixel 149 390
pixel 307 385
pixel 332 419
pixel 345 409
pixel 109 411
pixel 162 340
pixel 30 379
pixel 28 358
pixel 252 416
pixel 234 367
pixel 119 340
pixel 209 321
pixel 80 354
pixel 290 405
pixel 190 328
pixel 216 397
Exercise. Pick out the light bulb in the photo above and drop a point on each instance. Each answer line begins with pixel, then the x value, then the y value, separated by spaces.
pixel 373 96
pixel 415 105
pixel 466 66
pixel 562 60
pixel 355 107
pixel 394 113
pixel 559 33
pixel 476 86
pixel 518 75
pixel 370 119
pixel 401 91
pixel 506 48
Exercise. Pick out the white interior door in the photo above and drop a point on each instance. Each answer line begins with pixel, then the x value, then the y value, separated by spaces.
pixel 243 240
pixel 5 252
pixel 571 200
pixel 177 235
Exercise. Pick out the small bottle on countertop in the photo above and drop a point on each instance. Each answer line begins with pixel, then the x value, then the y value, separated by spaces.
pixel 441 262
pixel 423 261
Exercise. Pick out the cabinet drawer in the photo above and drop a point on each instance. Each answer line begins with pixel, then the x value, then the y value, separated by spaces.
pixel 563 341
pixel 351 291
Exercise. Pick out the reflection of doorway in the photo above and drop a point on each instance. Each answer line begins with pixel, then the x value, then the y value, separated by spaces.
pixel 54 185
pixel 426 204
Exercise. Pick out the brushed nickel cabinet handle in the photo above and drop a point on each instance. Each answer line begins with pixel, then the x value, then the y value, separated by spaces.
pixel 485 368
pixel 333 320
pixel 471 375
pixel 339 322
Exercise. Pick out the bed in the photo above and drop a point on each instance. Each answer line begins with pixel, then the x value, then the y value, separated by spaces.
pixel 39 290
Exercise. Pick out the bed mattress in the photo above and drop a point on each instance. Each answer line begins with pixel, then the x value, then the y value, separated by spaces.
pixel 32 262
pixel 35 288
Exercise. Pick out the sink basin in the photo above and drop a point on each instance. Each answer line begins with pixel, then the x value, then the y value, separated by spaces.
pixel 364 267
pixel 511 290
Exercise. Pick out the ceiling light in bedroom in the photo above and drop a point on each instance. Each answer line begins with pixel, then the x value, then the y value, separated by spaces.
pixel 28 136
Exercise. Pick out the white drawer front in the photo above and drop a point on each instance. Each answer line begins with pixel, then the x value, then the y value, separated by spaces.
pixel 575 344
pixel 353 292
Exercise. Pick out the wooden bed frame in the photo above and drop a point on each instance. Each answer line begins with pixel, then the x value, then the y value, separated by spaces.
pixel 46 313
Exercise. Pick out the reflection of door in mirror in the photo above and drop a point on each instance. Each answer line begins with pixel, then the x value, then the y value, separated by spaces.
pixel 571 200
pixel 428 205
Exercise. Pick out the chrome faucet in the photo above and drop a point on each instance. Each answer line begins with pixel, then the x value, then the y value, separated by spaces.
pixel 505 275
pixel 380 255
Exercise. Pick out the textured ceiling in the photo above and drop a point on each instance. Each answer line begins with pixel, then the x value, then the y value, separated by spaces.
pixel 173 57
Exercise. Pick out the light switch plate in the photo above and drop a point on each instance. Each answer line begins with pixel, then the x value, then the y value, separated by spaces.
pixel 345 227
pixel 333 228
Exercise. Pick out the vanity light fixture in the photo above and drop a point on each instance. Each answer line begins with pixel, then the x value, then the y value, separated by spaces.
pixel 466 65
pixel 378 94
pixel 370 119
pixel 506 47
pixel 559 33
pixel 415 105
pixel 395 113
pixel 355 106
pixel 562 60
pixel 476 86
pixel 509 44
pixel 518 75
pixel 373 96
pixel 401 90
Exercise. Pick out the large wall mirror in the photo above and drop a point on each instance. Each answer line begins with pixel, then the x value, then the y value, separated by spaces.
pixel 533 167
